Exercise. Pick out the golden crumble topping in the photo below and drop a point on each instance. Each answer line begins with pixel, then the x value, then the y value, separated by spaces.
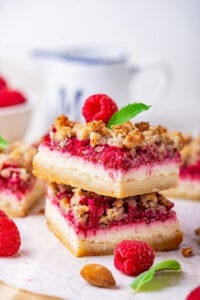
pixel 114 212
pixel 63 121
pixel 17 155
pixel 191 152
pixel 142 126
pixel 63 129
pixel 149 200
pixel 133 139
pixel 127 135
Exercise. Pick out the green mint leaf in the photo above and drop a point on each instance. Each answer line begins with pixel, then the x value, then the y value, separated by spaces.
pixel 3 143
pixel 126 113
pixel 170 264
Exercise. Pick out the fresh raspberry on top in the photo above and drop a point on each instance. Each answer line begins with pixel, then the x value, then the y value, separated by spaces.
pixel 194 295
pixel 133 257
pixel 9 236
pixel 99 107
pixel 11 97
pixel 3 84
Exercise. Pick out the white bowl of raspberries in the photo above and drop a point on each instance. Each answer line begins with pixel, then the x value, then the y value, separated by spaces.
pixel 15 112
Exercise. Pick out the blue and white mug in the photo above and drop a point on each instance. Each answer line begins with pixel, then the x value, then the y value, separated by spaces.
pixel 74 74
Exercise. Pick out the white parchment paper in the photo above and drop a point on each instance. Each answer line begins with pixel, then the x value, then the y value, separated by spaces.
pixel 44 265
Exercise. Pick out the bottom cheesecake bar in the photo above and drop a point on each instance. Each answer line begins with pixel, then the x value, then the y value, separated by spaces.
pixel 89 224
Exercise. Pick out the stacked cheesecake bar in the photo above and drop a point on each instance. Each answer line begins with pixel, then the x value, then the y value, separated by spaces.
pixel 104 183
pixel 19 189
pixel 189 176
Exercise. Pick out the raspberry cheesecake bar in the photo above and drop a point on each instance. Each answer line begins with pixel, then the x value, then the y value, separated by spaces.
pixel 189 176
pixel 127 160
pixel 19 189
pixel 91 224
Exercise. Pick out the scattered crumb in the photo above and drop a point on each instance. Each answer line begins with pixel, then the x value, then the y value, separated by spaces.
pixel 187 252
pixel 198 242
pixel 40 211
pixel 197 231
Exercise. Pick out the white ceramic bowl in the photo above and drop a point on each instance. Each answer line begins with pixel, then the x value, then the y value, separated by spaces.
pixel 14 120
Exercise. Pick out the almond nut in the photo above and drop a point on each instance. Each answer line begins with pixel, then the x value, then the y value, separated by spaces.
pixel 98 275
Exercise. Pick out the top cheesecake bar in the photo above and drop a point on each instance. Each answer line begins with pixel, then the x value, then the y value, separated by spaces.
pixel 126 160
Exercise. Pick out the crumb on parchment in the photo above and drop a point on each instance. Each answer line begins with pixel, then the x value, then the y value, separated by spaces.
pixel 187 252
pixel 197 231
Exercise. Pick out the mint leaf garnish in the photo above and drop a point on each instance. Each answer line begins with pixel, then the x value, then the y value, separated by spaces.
pixel 126 113
pixel 3 143
pixel 170 264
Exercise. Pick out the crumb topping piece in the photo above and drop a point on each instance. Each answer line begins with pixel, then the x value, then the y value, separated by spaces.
pixel 197 231
pixel 187 252
pixel 16 160
pixel 191 152
pixel 127 135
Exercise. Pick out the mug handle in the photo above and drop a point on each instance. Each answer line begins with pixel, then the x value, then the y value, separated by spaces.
pixel 165 80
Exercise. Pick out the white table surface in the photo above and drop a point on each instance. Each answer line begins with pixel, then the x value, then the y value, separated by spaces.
pixel 44 265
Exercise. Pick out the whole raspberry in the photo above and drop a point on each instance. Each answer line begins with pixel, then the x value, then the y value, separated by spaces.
pixel 11 97
pixel 3 84
pixel 99 107
pixel 194 295
pixel 133 257
pixel 9 236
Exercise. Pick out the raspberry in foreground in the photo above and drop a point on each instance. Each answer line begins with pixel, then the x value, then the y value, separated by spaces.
pixel 194 295
pixel 3 84
pixel 11 97
pixel 133 257
pixel 9 236
pixel 99 107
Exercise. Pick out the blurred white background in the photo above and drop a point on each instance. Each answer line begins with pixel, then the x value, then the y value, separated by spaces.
pixel 167 30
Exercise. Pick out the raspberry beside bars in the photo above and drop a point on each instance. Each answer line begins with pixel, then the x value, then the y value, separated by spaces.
pixel 90 224
pixel 19 189
pixel 130 159
pixel 189 176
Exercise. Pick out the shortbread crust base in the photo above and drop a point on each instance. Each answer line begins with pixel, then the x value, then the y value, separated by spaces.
pixel 186 189
pixel 160 235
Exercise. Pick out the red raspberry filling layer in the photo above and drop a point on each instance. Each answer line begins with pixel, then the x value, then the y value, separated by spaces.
pixel 96 217
pixel 191 172
pixel 112 157
pixel 14 183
